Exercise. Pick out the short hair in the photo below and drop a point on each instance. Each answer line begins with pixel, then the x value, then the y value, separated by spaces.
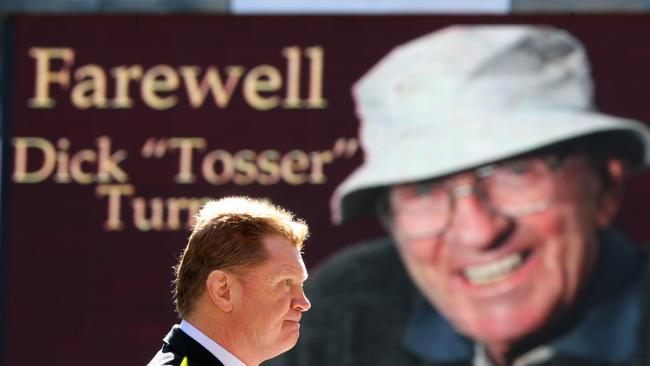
pixel 228 235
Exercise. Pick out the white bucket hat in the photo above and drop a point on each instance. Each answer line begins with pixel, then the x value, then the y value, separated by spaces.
pixel 465 96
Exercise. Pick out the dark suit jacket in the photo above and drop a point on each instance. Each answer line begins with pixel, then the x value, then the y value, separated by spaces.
pixel 178 345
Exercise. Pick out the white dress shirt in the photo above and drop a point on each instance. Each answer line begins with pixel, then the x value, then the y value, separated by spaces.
pixel 227 358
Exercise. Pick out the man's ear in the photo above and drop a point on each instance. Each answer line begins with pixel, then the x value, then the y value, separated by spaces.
pixel 220 289
pixel 612 195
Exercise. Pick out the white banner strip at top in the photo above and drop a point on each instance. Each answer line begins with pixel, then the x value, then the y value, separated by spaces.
pixel 369 6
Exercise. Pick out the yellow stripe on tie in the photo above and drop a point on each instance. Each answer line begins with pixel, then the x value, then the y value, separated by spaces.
pixel 185 362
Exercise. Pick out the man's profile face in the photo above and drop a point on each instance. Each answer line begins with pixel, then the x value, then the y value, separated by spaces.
pixel 272 299
pixel 498 279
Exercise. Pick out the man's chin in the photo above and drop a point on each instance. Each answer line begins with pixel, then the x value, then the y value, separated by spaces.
pixel 505 329
pixel 291 336
pixel 288 343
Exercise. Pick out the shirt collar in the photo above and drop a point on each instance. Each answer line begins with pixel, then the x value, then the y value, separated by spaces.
pixel 227 358
pixel 611 309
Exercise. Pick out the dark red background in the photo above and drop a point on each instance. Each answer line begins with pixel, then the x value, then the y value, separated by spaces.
pixel 78 295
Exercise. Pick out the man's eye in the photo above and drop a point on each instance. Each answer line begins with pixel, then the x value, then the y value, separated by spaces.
pixel 420 189
pixel 287 282
pixel 518 167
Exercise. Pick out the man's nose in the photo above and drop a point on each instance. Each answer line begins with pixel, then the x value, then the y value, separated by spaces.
pixel 301 302
pixel 475 224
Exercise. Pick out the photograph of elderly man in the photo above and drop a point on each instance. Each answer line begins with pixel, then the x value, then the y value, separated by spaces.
pixel 497 179
pixel 238 286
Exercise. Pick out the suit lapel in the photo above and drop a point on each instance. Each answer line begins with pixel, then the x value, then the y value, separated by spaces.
pixel 186 346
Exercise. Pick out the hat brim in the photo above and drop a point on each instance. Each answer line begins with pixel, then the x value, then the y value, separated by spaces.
pixel 426 153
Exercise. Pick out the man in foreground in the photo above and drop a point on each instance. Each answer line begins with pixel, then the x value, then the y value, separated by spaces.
pixel 238 286
pixel 498 181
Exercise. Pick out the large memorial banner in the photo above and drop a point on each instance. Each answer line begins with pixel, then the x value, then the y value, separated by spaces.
pixel 119 128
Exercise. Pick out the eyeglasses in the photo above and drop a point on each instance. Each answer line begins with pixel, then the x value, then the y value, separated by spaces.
pixel 514 188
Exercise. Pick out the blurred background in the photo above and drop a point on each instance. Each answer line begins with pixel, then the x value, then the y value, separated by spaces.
pixel 120 117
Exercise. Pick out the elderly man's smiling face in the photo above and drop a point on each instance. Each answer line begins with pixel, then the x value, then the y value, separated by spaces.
pixel 499 278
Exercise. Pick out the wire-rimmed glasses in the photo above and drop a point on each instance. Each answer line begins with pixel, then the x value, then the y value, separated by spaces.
pixel 513 188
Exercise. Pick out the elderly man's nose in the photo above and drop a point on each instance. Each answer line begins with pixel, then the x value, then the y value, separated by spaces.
pixel 475 224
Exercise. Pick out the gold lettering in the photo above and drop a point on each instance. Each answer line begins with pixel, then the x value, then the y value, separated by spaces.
pixel 123 76
pixel 160 78
pixel 211 82
pixel 269 164
pixel 193 209
pixel 263 78
pixel 315 55
pixel 21 145
pixel 244 164
pixel 62 161
pixel 186 145
pixel 45 76
pixel 174 208
pixel 140 220
pixel 114 192
pixel 76 163
pixel 176 205
pixel 292 54
pixel 108 166
pixel 318 160
pixel 293 166
pixel 208 167
pixel 159 84
pixel 91 90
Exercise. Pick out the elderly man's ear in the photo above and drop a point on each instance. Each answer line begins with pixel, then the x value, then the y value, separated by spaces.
pixel 222 287
pixel 611 197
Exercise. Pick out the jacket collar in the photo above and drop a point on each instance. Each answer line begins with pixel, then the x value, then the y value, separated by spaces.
pixel 186 346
